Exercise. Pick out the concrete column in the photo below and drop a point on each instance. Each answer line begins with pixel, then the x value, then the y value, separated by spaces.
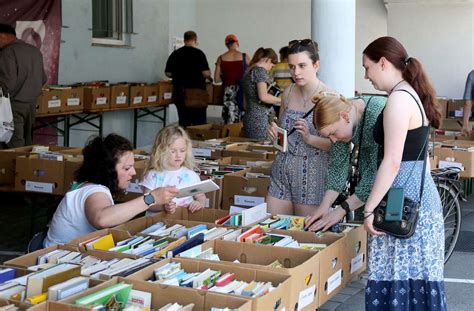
pixel 333 28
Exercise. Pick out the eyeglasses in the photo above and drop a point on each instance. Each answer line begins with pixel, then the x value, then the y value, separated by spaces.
pixel 304 42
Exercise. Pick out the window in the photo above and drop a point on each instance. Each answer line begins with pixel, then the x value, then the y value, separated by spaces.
pixel 112 22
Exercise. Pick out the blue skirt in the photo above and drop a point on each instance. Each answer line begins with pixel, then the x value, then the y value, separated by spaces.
pixel 407 274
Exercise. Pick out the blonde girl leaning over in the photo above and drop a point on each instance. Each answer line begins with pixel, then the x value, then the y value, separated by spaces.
pixel 172 164
pixel 299 175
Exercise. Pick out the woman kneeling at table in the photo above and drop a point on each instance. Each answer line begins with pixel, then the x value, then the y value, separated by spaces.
pixel 107 169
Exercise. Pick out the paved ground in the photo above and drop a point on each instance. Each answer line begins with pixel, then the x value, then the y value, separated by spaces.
pixel 458 273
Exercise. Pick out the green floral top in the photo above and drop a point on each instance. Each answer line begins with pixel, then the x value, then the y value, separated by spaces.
pixel 339 161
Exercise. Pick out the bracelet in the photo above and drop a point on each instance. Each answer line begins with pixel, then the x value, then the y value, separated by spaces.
pixel 368 214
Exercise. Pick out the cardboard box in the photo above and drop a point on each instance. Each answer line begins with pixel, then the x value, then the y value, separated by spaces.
pixel 460 152
pixel 249 162
pixel 40 175
pixel 217 94
pixel 205 215
pixel 96 99
pixel 151 95
pixel 356 248
pixel 333 275
pixel 163 294
pixel 443 106
pixel 118 235
pixel 137 96
pixel 119 96
pixel 245 191
pixel 210 131
pixel 8 161
pixel 206 152
pixel 456 108
pixel 165 92
pixel 246 150
pixel 74 101
pixel 278 299
pixel 433 162
pixel 214 198
pixel 51 102
pixel 30 259
pixel 301 265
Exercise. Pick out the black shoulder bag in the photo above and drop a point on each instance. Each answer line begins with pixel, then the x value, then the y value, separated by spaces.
pixel 388 209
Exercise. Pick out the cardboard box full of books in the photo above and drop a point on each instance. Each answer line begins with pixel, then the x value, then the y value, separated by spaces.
pixel 96 98
pixel 210 131
pixel 301 264
pixel 119 95
pixel 356 248
pixel 165 92
pixel 41 172
pixel 332 274
pixel 278 299
pixel 458 153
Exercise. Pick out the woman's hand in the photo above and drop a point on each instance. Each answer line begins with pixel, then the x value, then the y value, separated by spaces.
pixel 301 126
pixel 369 224
pixel 272 131
pixel 170 207
pixel 164 195
pixel 328 220
pixel 195 206
pixel 319 213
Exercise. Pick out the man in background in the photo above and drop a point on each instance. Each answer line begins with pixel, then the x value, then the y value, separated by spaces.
pixel 188 68
pixel 21 76
pixel 468 98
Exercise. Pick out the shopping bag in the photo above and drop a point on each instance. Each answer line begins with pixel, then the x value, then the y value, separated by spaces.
pixel 6 118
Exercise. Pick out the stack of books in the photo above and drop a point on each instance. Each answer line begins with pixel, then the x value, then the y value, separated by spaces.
pixel 172 274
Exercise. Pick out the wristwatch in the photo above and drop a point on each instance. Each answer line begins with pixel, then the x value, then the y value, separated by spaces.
pixel 345 206
pixel 149 199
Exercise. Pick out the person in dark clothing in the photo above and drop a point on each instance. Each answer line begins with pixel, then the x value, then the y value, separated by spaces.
pixel 188 68
pixel 22 76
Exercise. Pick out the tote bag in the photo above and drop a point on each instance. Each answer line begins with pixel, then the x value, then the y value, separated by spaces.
pixel 6 118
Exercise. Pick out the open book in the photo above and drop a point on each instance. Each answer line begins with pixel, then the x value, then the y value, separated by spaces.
pixel 200 187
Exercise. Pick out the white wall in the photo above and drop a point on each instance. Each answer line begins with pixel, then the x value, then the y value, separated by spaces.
pixel 267 23
pixel 371 23
pixel 441 35
pixel 144 61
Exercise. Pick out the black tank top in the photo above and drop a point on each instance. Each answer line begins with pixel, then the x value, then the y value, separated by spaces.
pixel 414 141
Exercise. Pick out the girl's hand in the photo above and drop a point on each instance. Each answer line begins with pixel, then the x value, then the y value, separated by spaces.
pixel 328 220
pixel 301 126
pixel 369 225
pixel 272 131
pixel 170 207
pixel 195 206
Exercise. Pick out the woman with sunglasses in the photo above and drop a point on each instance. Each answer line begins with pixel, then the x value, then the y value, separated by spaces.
pixel 298 175
pixel 258 102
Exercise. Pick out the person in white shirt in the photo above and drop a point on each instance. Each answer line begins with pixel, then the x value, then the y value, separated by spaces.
pixel 172 164
pixel 108 168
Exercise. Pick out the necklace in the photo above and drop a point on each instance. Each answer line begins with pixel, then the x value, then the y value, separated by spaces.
pixel 305 101
pixel 402 80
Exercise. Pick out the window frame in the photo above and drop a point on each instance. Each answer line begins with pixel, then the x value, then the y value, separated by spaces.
pixel 121 25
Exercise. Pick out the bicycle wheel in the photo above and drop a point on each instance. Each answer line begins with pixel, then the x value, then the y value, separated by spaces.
pixel 452 217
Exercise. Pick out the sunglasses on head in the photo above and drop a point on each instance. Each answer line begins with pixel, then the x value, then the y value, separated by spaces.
pixel 304 42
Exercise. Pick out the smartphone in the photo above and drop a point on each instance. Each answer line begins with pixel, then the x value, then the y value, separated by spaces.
pixel 394 209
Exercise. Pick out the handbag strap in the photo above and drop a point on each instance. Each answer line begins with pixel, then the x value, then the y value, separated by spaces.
pixel 423 148
pixel 361 134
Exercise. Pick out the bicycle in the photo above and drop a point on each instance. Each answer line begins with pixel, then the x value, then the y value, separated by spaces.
pixel 450 191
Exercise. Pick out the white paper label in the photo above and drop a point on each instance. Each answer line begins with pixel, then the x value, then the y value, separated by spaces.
pixel 201 152
pixel 101 100
pixel 39 186
pixel 55 103
pixel 134 187
pixel 167 95
pixel 137 100
pixel 459 113
pixel 306 297
pixel 245 200
pixel 334 281
pixel 152 99
pixel 357 263
pixel 445 164
pixel 206 203
pixel 121 100
pixel 73 101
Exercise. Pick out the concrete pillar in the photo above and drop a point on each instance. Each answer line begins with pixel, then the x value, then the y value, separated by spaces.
pixel 333 28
